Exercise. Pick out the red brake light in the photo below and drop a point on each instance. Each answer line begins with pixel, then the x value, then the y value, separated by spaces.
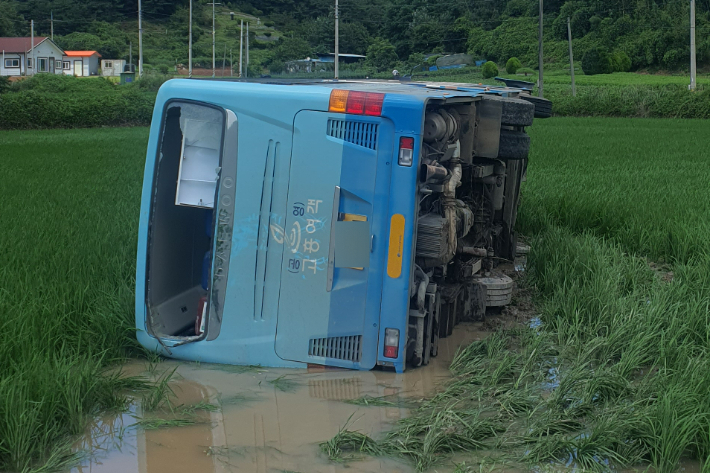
pixel 373 104
pixel 356 103
pixel 390 352
pixel 406 142
pixel 391 342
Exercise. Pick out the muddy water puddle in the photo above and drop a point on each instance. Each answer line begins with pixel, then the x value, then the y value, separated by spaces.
pixel 267 420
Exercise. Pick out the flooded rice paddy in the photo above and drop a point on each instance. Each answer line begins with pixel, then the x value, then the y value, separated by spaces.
pixel 267 420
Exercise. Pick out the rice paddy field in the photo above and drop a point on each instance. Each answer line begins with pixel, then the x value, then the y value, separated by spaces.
pixel 613 373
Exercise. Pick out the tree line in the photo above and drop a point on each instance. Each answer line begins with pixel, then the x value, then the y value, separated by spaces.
pixel 653 34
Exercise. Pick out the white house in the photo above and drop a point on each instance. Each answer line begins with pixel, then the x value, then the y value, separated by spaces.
pixel 112 67
pixel 18 56
pixel 81 63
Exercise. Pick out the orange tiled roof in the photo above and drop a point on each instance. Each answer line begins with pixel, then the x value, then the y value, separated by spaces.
pixel 81 53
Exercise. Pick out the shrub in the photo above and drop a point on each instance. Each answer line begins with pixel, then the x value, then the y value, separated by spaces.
pixel 525 71
pixel 4 84
pixel 163 69
pixel 381 55
pixel 267 34
pixel 489 69
pixel 124 105
pixel 596 61
pixel 512 66
pixel 620 62
pixel 269 24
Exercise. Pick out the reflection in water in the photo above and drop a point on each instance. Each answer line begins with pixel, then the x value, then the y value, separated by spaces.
pixel 270 420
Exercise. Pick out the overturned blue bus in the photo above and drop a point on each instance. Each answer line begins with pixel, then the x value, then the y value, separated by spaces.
pixel 339 223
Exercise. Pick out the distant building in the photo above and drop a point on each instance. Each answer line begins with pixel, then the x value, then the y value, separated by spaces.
pixel 344 58
pixel 324 62
pixel 18 56
pixel 81 63
pixel 112 67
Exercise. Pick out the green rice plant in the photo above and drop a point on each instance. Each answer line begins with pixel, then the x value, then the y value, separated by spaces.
pixel 66 289
pixel 159 395
pixel 380 401
pixel 154 423
pixel 284 384
pixel 200 406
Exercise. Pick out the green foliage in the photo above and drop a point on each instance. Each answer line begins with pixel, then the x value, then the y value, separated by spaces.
pixel 596 61
pixel 381 55
pixel 4 84
pixel 269 23
pixel 620 61
pixel 512 66
pixel 525 71
pixel 70 296
pixel 51 101
pixel 10 21
pixel 669 101
pixel 291 48
pixel 106 38
pixel 489 69
pixel 415 59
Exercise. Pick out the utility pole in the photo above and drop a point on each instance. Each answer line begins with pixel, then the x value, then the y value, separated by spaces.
pixel 241 40
pixel 224 58
pixel 246 69
pixel 140 41
pixel 189 53
pixel 539 57
pixel 692 45
pixel 231 64
pixel 571 58
pixel 32 46
pixel 213 60
pixel 337 49
pixel 51 22
pixel 130 52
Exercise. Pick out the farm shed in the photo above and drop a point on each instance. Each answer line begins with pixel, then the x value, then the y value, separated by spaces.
pixel 112 67
pixel 18 56
pixel 81 63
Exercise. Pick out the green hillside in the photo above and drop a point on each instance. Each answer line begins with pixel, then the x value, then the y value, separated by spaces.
pixel 646 35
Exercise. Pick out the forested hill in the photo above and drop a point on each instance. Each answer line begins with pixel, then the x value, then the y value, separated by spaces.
pixel 653 33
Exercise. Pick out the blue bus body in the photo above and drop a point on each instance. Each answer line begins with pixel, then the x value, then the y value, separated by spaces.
pixel 265 233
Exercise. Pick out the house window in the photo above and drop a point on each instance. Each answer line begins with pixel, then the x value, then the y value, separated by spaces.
pixel 29 63
pixel 108 65
pixel 12 62
pixel 42 64
pixel 66 66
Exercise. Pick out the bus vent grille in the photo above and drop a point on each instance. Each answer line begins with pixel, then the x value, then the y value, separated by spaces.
pixel 335 389
pixel 358 133
pixel 339 348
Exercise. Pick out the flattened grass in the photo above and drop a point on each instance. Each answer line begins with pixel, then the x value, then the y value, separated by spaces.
pixel 68 212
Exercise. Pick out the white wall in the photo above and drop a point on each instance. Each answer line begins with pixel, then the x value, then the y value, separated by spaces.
pixel 13 71
pixel 112 71
pixel 47 50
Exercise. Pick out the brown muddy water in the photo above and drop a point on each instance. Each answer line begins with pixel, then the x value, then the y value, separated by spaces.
pixel 270 420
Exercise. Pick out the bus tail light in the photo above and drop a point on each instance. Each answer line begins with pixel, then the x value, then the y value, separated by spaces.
pixel 391 342
pixel 406 151
pixel 356 103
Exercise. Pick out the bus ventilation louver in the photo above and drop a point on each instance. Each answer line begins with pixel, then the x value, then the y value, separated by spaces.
pixel 358 133
pixel 339 348
pixel 335 389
